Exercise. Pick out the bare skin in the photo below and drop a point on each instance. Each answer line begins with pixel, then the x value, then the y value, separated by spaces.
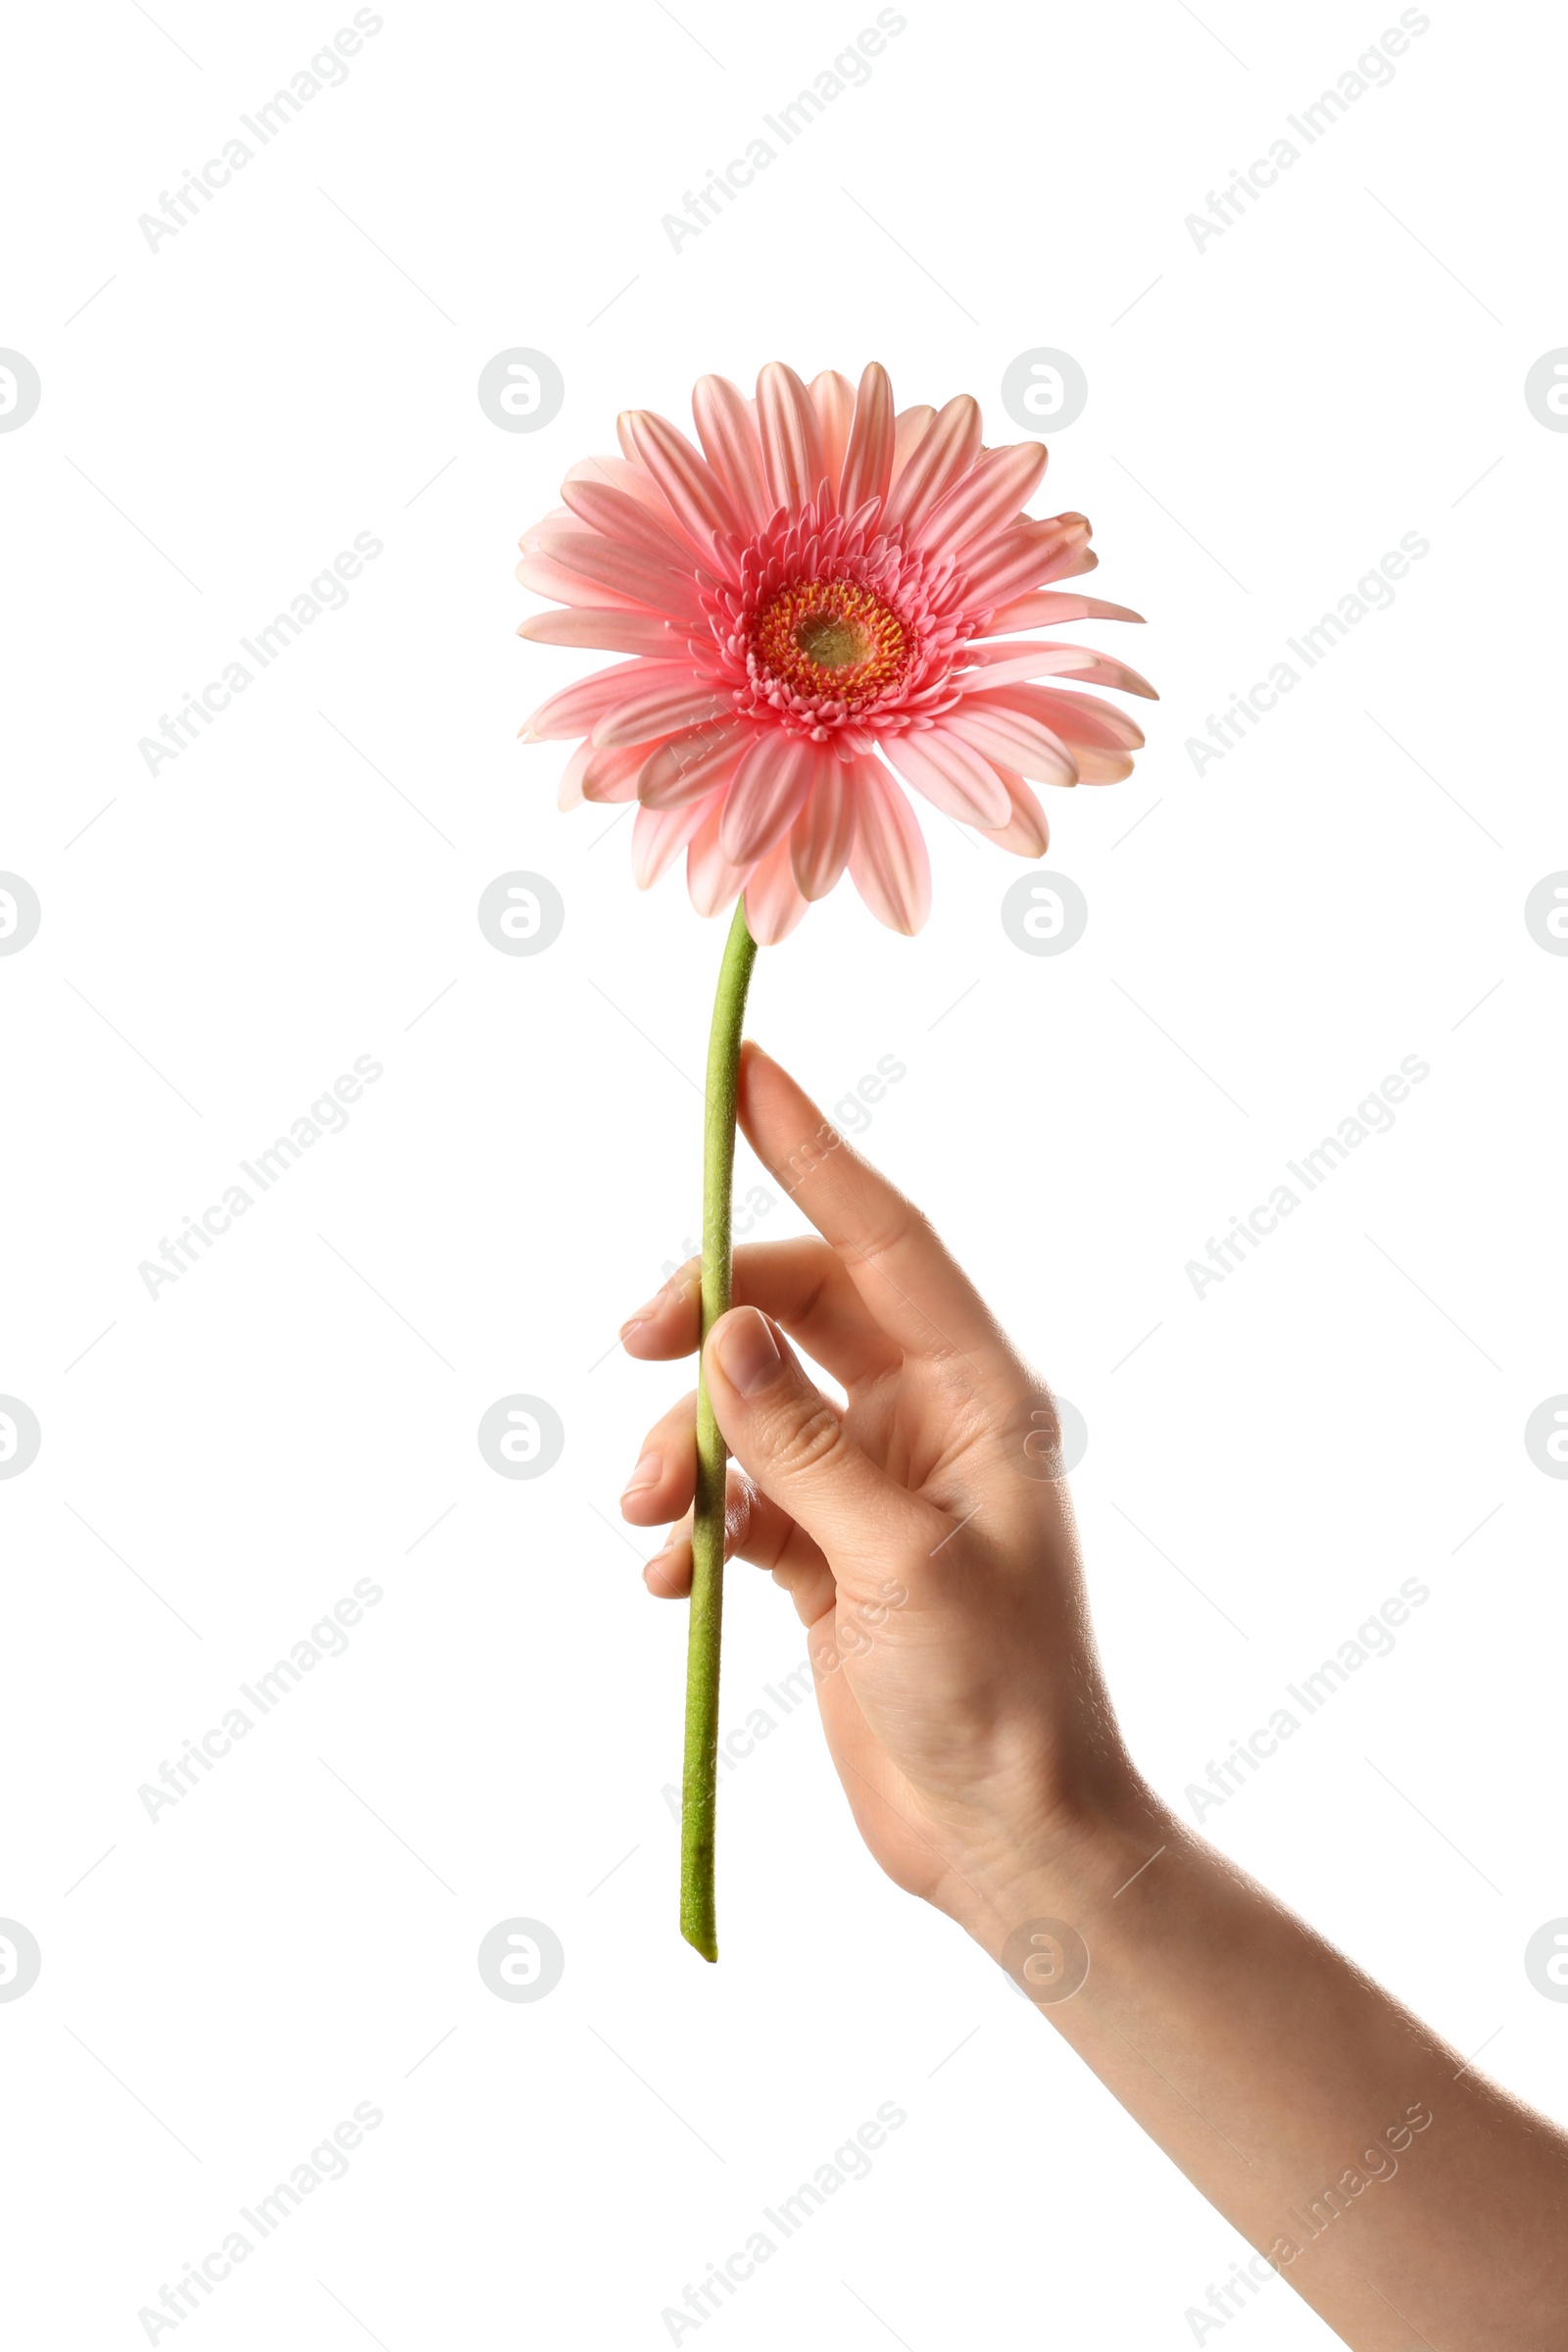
pixel 933 1555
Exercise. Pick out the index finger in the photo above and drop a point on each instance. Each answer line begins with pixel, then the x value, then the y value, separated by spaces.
pixel 918 1293
pixel 802 1283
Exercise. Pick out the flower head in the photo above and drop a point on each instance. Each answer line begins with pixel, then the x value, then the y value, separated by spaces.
pixel 821 603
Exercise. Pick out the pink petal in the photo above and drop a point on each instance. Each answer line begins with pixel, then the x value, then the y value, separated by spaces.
pixel 1027 835
pixel 770 784
pixel 792 441
pixel 909 428
pixel 604 630
pixel 613 775
pixel 623 571
pixel 868 458
pixel 951 773
pixel 996 664
pixel 532 537
pixel 1049 609
pixel 823 834
pixel 728 436
pixel 664 710
pixel 1077 558
pixel 698 499
pixel 627 520
pixel 1096 767
pixel 568 792
pixel 658 837
pixel 546 577
pixel 774 904
pixel 692 764
pixel 618 473
pixel 1010 739
pixel 577 709
pixel 1075 718
pixel 1001 664
pixel 1022 557
pixel 985 498
pixel 1102 669
pixel 711 879
pixel 833 398
pixel 943 454
pixel 888 864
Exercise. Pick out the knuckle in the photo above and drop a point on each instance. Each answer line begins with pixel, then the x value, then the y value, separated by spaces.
pixel 890 1236
pixel 902 1231
pixel 807 1439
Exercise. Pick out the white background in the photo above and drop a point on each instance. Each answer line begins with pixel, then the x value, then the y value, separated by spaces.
pixel 1267 415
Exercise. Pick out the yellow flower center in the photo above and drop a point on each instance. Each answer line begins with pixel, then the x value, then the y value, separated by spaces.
pixel 830 639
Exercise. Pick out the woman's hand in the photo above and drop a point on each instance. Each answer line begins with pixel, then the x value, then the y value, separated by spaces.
pixel 922 1529
pixel 925 1535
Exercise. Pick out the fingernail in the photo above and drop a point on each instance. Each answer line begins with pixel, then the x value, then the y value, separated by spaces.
pixel 644 1314
pixel 645 1475
pixel 747 1352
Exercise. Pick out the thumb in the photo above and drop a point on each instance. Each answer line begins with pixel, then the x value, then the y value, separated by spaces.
pixel 792 1440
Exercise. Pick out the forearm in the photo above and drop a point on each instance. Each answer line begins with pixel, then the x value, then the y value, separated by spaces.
pixel 1399 2193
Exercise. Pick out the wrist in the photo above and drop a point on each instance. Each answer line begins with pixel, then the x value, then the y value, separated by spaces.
pixel 1062 1870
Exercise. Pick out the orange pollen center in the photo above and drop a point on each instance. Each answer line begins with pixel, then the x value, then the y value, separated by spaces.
pixel 830 639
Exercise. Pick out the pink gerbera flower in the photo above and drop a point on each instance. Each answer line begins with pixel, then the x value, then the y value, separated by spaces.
pixel 821 603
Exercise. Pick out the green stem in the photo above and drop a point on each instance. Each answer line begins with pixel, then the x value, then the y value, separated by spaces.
pixel 701 1767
